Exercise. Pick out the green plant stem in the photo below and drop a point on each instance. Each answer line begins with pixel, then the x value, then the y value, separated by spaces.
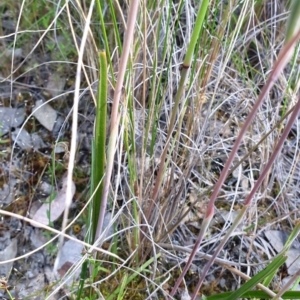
pixel 98 164
pixel 196 32
pixel 115 25
pixel 115 116
pixel 104 35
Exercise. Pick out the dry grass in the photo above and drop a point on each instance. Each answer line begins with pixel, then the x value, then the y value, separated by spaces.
pixel 237 48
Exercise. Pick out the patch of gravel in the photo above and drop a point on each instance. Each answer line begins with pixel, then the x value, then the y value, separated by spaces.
pixel 35 113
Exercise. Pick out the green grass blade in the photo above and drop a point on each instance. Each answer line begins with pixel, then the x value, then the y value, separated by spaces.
pixel 287 246
pixel 270 269
pixel 83 276
pixel 98 163
pixel 121 293
pixel 293 25
pixel 184 74
pixel 115 25
pixel 196 32
pixel 131 277
pixel 293 235
pixel 255 295
pixel 104 36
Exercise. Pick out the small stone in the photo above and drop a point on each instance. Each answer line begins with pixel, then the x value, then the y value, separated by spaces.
pixel 45 114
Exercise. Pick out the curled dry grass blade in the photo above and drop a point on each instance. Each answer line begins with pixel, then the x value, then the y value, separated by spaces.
pixel 283 59
pixel 250 196
pixel 240 162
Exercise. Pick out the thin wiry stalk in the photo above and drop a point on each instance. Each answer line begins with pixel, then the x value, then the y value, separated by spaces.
pixel 207 191
pixel 178 98
pixel 77 47
pixel 282 61
pixel 287 285
pixel 143 154
pixel 278 67
pixel 36 44
pixel 14 45
pixel 73 145
pixel 58 234
pixel 250 196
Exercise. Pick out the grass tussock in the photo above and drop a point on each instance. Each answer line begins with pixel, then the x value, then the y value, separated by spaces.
pixel 152 96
